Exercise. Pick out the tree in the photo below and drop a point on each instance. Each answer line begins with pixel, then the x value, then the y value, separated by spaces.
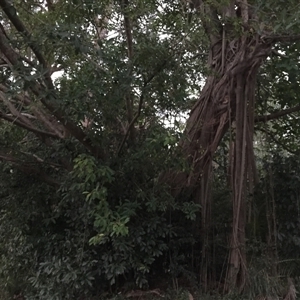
pixel 114 90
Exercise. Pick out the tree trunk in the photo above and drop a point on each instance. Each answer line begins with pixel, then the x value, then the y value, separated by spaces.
pixel 226 102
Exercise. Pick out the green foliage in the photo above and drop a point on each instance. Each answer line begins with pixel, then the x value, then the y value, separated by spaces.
pixel 131 212
pixel 285 186
pixel 113 222
pixel 107 223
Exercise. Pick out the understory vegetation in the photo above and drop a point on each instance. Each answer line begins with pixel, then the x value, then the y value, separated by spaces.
pixel 149 149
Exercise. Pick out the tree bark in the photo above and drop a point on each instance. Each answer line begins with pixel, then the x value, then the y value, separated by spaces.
pixel 226 103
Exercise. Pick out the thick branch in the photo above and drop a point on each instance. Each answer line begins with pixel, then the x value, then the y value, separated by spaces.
pixel 19 123
pixel 15 112
pixel 22 99
pixel 49 101
pixel 277 114
pixel 73 129
pixel 56 128
pixel 3 31
pixel 7 51
pixel 282 38
pixel 50 122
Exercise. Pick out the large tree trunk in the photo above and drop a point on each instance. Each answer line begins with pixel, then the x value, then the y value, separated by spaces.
pixel 226 103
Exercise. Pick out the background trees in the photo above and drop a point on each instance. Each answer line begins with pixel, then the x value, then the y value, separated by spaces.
pixel 114 171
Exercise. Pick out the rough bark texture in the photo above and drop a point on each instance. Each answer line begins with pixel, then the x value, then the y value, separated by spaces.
pixel 226 102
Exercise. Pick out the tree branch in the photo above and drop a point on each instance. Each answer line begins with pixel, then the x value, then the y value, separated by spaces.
pixel 29 169
pixel 50 5
pixel 38 132
pixel 11 13
pixel 276 114
pixel 22 99
pixel 49 101
pixel 39 113
pixel 128 98
pixel 275 140
pixel 8 51
pixel 147 81
pixel 210 20
pixel 127 25
pixel 281 38
pixel 131 125
pixel 14 111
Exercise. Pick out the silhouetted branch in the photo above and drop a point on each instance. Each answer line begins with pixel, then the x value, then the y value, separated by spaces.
pixel 29 169
pixel 19 123
pixel 277 114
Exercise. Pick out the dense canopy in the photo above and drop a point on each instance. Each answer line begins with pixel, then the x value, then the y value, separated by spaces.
pixel 145 143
